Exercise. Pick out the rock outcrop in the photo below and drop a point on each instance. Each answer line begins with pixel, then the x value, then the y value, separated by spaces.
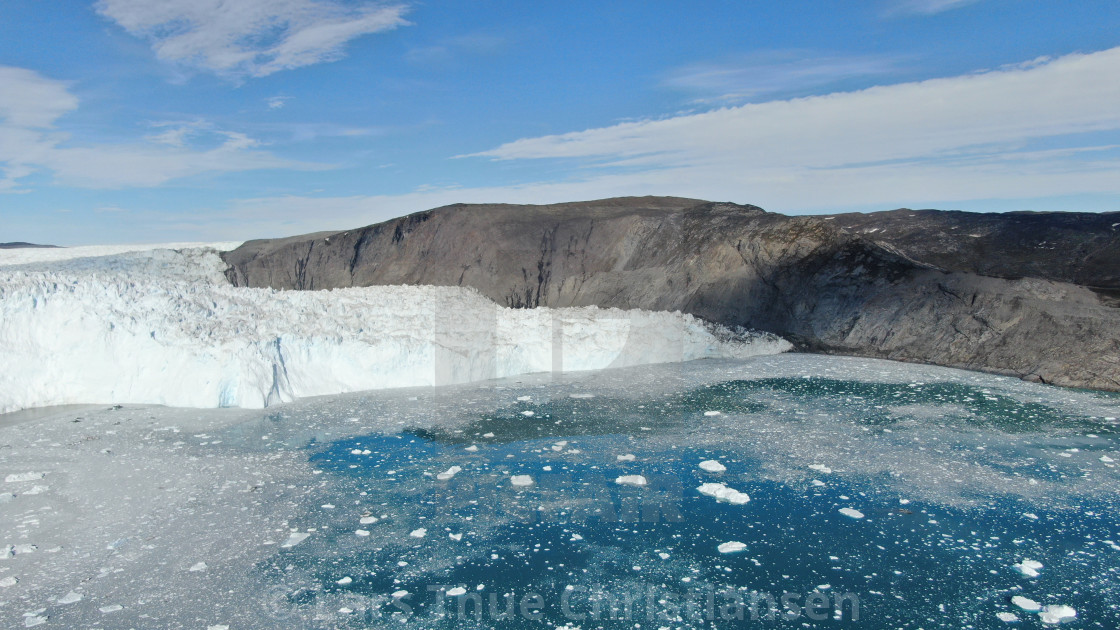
pixel 1028 294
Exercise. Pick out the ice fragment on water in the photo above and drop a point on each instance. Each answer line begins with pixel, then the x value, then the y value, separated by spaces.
pixel 295 539
pixel 851 512
pixel 449 473
pixel 733 546
pixel 712 466
pixel 631 480
pixel 1028 605
pixel 722 493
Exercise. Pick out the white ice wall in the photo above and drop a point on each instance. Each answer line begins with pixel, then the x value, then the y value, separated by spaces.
pixel 165 327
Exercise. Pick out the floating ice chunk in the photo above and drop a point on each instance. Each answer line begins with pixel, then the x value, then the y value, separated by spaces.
pixel 1106 459
pixel 817 483
pixel 218 627
pixel 487 435
pixel 629 457
pixel 528 413
pixel 294 539
pixel 722 493
pixel 663 555
pixel 820 468
pixel 6 497
pixel 455 537
pixel 631 480
pixel 733 546
pixel 368 520
pixel 851 512
pixel 1030 515
pixel 1028 605
pixel 356 451
pixel 400 594
pixel 581 395
pixel 576 538
pixel 449 473
pixel 18 549
pixel 70 598
pixel 1028 568
pixel 37 490
pixel 327 506
pixel 1056 614
pixel 418 532
pixel 712 466
pixel 524 398
pixel 27 476
pixel 1007 617
pixel 457 591
pixel 472 448
pixel 712 413
pixel 30 621
pixel 111 608
pixel 361 532
pixel 521 480
pixel 9 581
pixel 198 566
pixel 344 581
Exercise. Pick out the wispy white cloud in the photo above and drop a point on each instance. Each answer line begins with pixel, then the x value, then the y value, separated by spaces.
pixel 774 73
pixel 905 122
pixel 277 102
pixel 31 104
pixel 928 7
pixel 239 38
pixel 1020 132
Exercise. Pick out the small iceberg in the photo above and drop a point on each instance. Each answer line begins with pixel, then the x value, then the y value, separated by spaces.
pixel 721 492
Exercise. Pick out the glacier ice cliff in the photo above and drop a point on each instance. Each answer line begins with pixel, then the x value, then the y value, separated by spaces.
pixel 165 326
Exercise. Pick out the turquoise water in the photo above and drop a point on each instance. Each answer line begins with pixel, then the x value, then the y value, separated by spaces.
pixel 955 477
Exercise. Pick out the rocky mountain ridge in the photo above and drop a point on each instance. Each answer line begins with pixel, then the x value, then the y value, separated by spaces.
pixel 1028 294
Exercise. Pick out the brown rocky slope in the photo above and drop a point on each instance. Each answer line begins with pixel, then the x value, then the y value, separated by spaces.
pixel 1028 294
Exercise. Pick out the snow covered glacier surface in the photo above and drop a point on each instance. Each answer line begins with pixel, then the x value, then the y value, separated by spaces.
pixel 164 326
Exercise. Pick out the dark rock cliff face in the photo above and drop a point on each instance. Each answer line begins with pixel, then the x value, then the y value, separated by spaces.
pixel 1024 294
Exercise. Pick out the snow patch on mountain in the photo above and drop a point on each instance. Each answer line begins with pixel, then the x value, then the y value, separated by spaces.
pixel 164 326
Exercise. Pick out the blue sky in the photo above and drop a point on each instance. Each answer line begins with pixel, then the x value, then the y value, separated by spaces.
pixel 173 120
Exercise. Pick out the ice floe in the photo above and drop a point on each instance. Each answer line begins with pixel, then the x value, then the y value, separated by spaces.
pixel 1028 568
pixel 1026 604
pixel 851 512
pixel 521 480
pixel 449 473
pixel 723 493
pixel 712 466
pixel 631 480
pixel 732 546
pixel 294 539
pixel 1056 613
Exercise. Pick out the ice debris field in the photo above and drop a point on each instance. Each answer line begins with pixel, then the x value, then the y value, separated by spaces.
pixel 164 326
pixel 913 496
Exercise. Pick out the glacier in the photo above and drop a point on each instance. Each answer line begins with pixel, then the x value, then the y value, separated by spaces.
pixel 163 325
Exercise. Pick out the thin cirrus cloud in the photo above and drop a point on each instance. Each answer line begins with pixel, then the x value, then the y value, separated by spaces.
pixel 928 7
pixel 774 73
pixel 987 114
pixel 31 104
pixel 255 38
